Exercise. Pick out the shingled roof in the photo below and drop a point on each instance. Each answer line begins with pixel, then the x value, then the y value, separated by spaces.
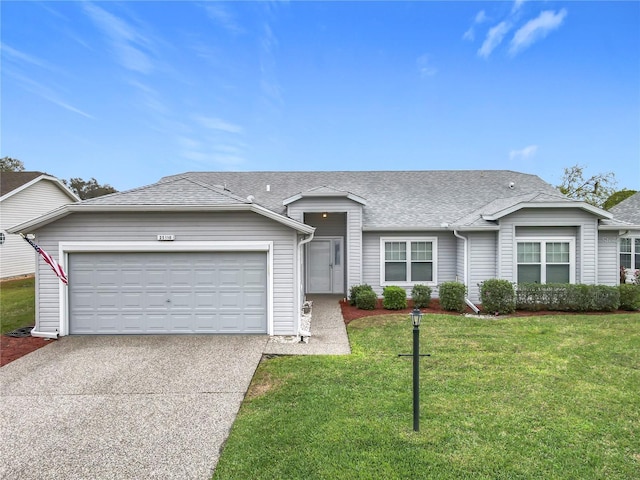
pixel 628 210
pixel 9 181
pixel 394 199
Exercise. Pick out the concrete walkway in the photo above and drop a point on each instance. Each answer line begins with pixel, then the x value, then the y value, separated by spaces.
pixel 328 331
pixel 138 406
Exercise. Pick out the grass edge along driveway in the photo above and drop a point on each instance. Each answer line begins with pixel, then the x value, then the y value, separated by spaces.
pixel 533 397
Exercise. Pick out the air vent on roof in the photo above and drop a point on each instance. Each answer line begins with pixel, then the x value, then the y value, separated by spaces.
pixel 512 185
pixel 268 188
pixel 251 198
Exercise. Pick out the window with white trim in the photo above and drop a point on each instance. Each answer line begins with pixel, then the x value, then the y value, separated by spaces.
pixel 545 260
pixel 630 253
pixel 407 260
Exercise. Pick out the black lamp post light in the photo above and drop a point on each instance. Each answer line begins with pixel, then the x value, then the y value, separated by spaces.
pixel 416 318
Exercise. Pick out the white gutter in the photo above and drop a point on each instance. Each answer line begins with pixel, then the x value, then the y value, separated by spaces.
pixel 465 273
pixel 35 333
pixel 304 241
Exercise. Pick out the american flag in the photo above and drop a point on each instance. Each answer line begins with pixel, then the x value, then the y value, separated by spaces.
pixel 57 269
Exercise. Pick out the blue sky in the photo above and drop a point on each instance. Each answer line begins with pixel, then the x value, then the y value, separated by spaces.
pixel 128 92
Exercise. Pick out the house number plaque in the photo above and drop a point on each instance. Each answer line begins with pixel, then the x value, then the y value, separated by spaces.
pixel 166 238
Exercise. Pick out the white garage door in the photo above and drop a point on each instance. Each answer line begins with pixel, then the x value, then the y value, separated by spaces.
pixel 144 293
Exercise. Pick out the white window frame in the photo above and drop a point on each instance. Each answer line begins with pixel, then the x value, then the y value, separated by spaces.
pixel 408 241
pixel 631 272
pixel 634 251
pixel 543 255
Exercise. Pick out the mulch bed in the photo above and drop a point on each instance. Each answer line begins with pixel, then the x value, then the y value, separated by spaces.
pixel 12 348
pixel 350 313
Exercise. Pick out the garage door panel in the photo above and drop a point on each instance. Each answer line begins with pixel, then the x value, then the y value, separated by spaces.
pixel 252 323
pixel 162 293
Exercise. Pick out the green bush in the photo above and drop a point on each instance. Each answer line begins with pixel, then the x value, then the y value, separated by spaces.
pixel 451 296
pixel 366 300
pixel 394 298
pixel 497 296
pixel 629 296
pixel 355 290
pixel 567 297
pixel 421 296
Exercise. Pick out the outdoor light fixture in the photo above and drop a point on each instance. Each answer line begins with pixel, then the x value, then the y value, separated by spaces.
pixel 324 214
pixel 416 318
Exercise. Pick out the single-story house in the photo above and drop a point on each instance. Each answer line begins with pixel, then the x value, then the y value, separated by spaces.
pixel 629 211
pixel 236 252
pixel 24 196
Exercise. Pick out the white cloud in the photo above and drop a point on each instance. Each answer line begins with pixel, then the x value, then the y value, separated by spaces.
pixel 536 29
pixel 470 34
pixel 218 124
pixel 523 154
pixel 481 17
pixel 425 67
pixel 223 17
pixel 127 42
pixel 494 38
pixel 517 4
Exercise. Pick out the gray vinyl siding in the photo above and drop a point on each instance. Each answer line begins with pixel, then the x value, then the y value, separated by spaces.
pixel 16 256
pixel 544 222
pixel 352 229
pixel 446 257
pixel 482 251
pixel 134 227
pixel 608 258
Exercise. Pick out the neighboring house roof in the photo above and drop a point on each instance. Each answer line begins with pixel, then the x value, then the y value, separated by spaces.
pixel 12 183
pixel 391 200
pixel 628 210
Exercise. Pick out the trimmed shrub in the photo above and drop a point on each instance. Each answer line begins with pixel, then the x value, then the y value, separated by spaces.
pixel 366 300
pixel 355 290
pixel 567 297
pixel 497 296
pixel 451 296
pixel 629 297
pixel 394 298
pixel 421 296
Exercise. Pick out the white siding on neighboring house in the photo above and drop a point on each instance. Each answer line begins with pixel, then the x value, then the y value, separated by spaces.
pixel 353 228
pixel 187 227
pixel 542 222
pixel 17 257
pixel 446 257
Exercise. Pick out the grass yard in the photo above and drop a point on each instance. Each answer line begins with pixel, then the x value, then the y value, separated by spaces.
pixel 17 304
pixel 510 398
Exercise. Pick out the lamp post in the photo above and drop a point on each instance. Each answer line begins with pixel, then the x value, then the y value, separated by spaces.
pixel 416 318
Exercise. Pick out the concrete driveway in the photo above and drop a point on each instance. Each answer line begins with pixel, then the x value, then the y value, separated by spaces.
pixel 123 407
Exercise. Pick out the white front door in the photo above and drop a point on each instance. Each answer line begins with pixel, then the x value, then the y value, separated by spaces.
pixel 325 265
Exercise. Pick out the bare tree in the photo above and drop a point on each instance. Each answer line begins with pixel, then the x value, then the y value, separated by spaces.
pixel 594 190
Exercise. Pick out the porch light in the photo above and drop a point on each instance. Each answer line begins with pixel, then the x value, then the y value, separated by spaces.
pixel 324 214
pixel 416 317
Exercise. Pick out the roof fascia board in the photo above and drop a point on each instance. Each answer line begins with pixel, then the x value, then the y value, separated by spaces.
pixel 581 205
pixel 55 181
pixel 348 195
pixel 622 228
pixel 79 208
pixel 430 229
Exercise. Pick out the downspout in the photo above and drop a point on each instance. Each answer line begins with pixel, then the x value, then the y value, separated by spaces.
pixel 304 241
pixel 465 272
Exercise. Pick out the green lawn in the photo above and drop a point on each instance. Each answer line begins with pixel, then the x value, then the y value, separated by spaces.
pixel 510 398
pixel 17 304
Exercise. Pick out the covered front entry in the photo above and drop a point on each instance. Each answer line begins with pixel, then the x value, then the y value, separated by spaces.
pixel 167 292
pixel 325 265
